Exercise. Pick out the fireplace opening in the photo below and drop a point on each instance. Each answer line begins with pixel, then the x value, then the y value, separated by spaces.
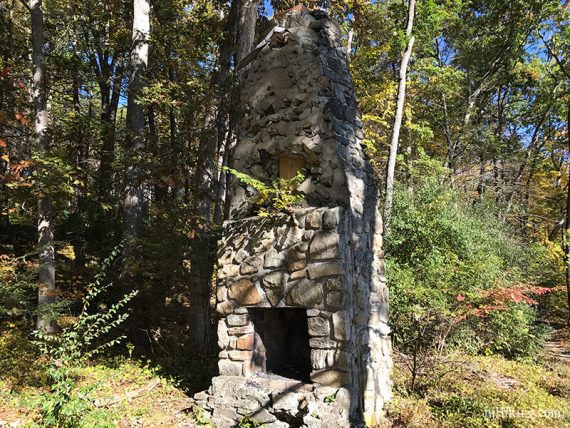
pixel 281 344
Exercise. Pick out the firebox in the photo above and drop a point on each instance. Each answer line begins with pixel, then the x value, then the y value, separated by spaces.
pixel 281 343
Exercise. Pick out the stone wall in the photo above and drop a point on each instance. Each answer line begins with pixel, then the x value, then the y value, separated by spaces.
pixel 298 100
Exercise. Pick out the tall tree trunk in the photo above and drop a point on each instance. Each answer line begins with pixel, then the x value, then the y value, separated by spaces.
pixel 398 120
pixel 82 151
pixel 532 151
pixel 133 202
pixel 215 122
pixel 567 222
pixel 134 206
pixel 482 180
pixel 46 291
pixel 110 95
pixel 215 127
pixel 349 44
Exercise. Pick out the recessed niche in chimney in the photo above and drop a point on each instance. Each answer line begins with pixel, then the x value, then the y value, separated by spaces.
pixel 281 343
pixel 289 166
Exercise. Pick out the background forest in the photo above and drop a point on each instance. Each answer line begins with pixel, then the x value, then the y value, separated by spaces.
pixel 117 118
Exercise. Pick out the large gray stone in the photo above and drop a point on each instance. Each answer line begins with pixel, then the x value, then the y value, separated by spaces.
pixel 250 265
pixel 341 326
pixel 322 358
pixel 332 218
pixel 318 326
pixel 234 320
pixel 305 293
pixel 230 368
pixel 275 279
pixel 313 220
pixel 320 270
pixel 274 259
pixel 328 377
pixel 325 245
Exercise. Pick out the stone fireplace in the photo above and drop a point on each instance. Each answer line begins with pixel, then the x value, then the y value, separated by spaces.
pixel 301 295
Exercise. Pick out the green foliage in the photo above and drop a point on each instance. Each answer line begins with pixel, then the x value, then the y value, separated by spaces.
pixel 330 398
pixel 443 256
pixel 199 416
pixel 514 333
pixel 76 343
pixel 62 406
pixel 275 197
pixel 249 422
pixel 16 288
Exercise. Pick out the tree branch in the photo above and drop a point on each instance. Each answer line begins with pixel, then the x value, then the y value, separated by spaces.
pixel 556 58
pixel 26 5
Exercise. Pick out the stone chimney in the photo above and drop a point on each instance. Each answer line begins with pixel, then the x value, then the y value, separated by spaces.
pixel 301 296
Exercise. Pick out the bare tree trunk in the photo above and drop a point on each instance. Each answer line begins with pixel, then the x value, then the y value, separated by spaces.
pixel 398 120
pixel 133 203
pixel 482 180
pixel 203 190
pixel 240 33
pixel 567 224
pixel 46 291
pixel 109 103
pixel 349 44
pixel 246 28
pixel 82 156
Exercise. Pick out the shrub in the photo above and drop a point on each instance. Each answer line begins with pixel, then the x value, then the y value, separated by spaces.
pixel 84 339
pixel 17 286
pixel 449 262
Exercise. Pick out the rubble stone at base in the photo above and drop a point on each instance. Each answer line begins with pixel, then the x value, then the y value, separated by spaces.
pixel 275 402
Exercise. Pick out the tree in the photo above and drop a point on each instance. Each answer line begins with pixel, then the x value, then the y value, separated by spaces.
pixel 215 145
pixel 46 291
pixel 401 98
pixel 134 200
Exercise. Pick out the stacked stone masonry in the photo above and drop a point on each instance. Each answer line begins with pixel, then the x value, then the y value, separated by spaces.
pixel 324 258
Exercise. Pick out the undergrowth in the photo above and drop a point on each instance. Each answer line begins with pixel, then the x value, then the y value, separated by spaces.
pixel 486 392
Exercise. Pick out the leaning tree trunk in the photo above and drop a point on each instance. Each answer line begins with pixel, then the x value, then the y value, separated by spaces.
pixel 46 291
pixel 398 120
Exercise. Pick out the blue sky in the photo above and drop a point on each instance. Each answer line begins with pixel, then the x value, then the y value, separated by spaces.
pixel 268 7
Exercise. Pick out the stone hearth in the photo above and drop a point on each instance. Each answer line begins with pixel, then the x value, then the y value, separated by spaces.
pixel 301 296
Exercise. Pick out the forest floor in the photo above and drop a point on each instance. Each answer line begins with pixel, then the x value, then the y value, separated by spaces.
pixel 488 391
pixel 462 391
